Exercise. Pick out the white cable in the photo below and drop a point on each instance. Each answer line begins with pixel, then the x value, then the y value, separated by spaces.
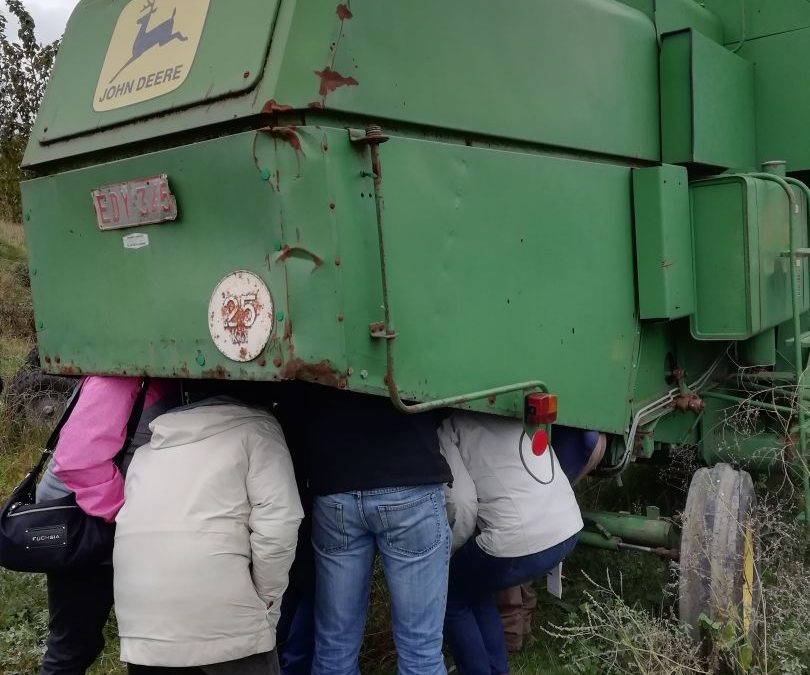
pixel 662 404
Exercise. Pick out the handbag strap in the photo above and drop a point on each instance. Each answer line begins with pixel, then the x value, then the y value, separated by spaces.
pixel 133 421
pixel 132 426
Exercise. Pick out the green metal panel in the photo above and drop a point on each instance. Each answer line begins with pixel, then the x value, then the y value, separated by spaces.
pixel 512 266
pixel 561 227
pixel 663 242
pixel 646 6
pixel 126 311
pixel 675 15
pixel 750 20
pixel 707 102
pixel 759 350
pixel 677 428
pixel 520 74
pixel 654 360
pixel 740 231
pixel 724 222
pixel 230 59
pixel 783 97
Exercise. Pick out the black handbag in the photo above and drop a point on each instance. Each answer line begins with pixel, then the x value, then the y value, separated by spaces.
pixel 56 534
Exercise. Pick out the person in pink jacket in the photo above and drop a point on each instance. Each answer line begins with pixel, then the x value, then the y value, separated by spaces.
pixel 79 602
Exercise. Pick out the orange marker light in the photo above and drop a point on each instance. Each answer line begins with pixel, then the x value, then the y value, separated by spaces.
pixel 540 409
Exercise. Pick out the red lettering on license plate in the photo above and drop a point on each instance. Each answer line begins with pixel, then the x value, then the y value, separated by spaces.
pixel 145 201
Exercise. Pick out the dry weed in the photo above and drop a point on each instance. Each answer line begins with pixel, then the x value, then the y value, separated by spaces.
pixel 16 314
pixel 606 634
pixel 13 234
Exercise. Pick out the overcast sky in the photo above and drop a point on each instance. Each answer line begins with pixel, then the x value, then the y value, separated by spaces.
pixel 50 17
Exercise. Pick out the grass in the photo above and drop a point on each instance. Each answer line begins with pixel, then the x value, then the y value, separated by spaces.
pixel 595 629
pixel 13 235
pixel 23 608
pixel 16 318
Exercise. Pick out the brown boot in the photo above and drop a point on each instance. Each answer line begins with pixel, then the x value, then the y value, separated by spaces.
pixel 510 606
pixel 529 600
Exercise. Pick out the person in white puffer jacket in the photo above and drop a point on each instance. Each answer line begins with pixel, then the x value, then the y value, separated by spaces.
pixel 514 518
pixel 205 541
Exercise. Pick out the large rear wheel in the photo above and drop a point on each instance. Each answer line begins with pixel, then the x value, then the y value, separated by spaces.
pixel 35 398
pixel 719 590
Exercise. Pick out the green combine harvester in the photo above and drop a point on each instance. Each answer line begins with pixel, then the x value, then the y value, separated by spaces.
pixel 595 205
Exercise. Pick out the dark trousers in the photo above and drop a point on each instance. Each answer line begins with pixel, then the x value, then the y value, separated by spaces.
pixel 78 606
pixel 295 633
pixel 472 624
pixel 258 664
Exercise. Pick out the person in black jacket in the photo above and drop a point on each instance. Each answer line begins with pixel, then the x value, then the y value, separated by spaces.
pixel 377 477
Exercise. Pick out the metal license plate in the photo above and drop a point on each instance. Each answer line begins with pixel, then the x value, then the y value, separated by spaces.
pixel 137 202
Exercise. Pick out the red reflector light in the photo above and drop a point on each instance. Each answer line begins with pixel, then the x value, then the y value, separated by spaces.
pixel 540 409
pixel 539 442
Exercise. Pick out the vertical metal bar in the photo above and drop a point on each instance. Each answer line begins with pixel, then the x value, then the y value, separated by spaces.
pixel 379 204
pixel 373 138
pixel 800 369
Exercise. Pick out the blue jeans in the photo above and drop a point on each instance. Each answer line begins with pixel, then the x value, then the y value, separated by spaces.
pixel 408 526
pixel 472 624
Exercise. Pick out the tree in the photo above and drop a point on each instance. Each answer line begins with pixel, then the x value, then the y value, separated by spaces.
pixel 25 66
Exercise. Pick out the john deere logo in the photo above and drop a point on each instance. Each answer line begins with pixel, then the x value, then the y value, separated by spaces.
pixel 151 51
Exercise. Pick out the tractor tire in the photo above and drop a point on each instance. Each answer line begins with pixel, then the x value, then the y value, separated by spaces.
pixel 32 359
pixel 719 587
pixel 38 400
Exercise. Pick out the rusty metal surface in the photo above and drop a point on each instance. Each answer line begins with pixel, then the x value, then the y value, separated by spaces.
pixel 689 402
pixel 322 372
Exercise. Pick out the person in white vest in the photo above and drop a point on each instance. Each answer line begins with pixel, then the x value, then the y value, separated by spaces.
pixel 205 541
pixel 514 518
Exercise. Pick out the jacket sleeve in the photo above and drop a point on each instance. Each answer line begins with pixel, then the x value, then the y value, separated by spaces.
pixel 462 497
pixel 90 440
pixel 275 514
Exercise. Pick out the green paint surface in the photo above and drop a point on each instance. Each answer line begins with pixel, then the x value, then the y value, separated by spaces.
pixel 460 327
pixel 707 103
pixel 520 247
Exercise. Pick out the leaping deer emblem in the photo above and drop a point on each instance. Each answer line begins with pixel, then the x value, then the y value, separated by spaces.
pixel 156 37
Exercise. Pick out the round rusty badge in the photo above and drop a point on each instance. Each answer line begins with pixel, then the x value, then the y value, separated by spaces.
pixel 241 316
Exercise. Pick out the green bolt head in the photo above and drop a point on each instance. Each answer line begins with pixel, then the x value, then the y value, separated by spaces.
pixel 200 359
pixel 265 174
pixel 279 316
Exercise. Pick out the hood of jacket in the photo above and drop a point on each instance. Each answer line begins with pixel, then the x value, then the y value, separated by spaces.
pixel 201 420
